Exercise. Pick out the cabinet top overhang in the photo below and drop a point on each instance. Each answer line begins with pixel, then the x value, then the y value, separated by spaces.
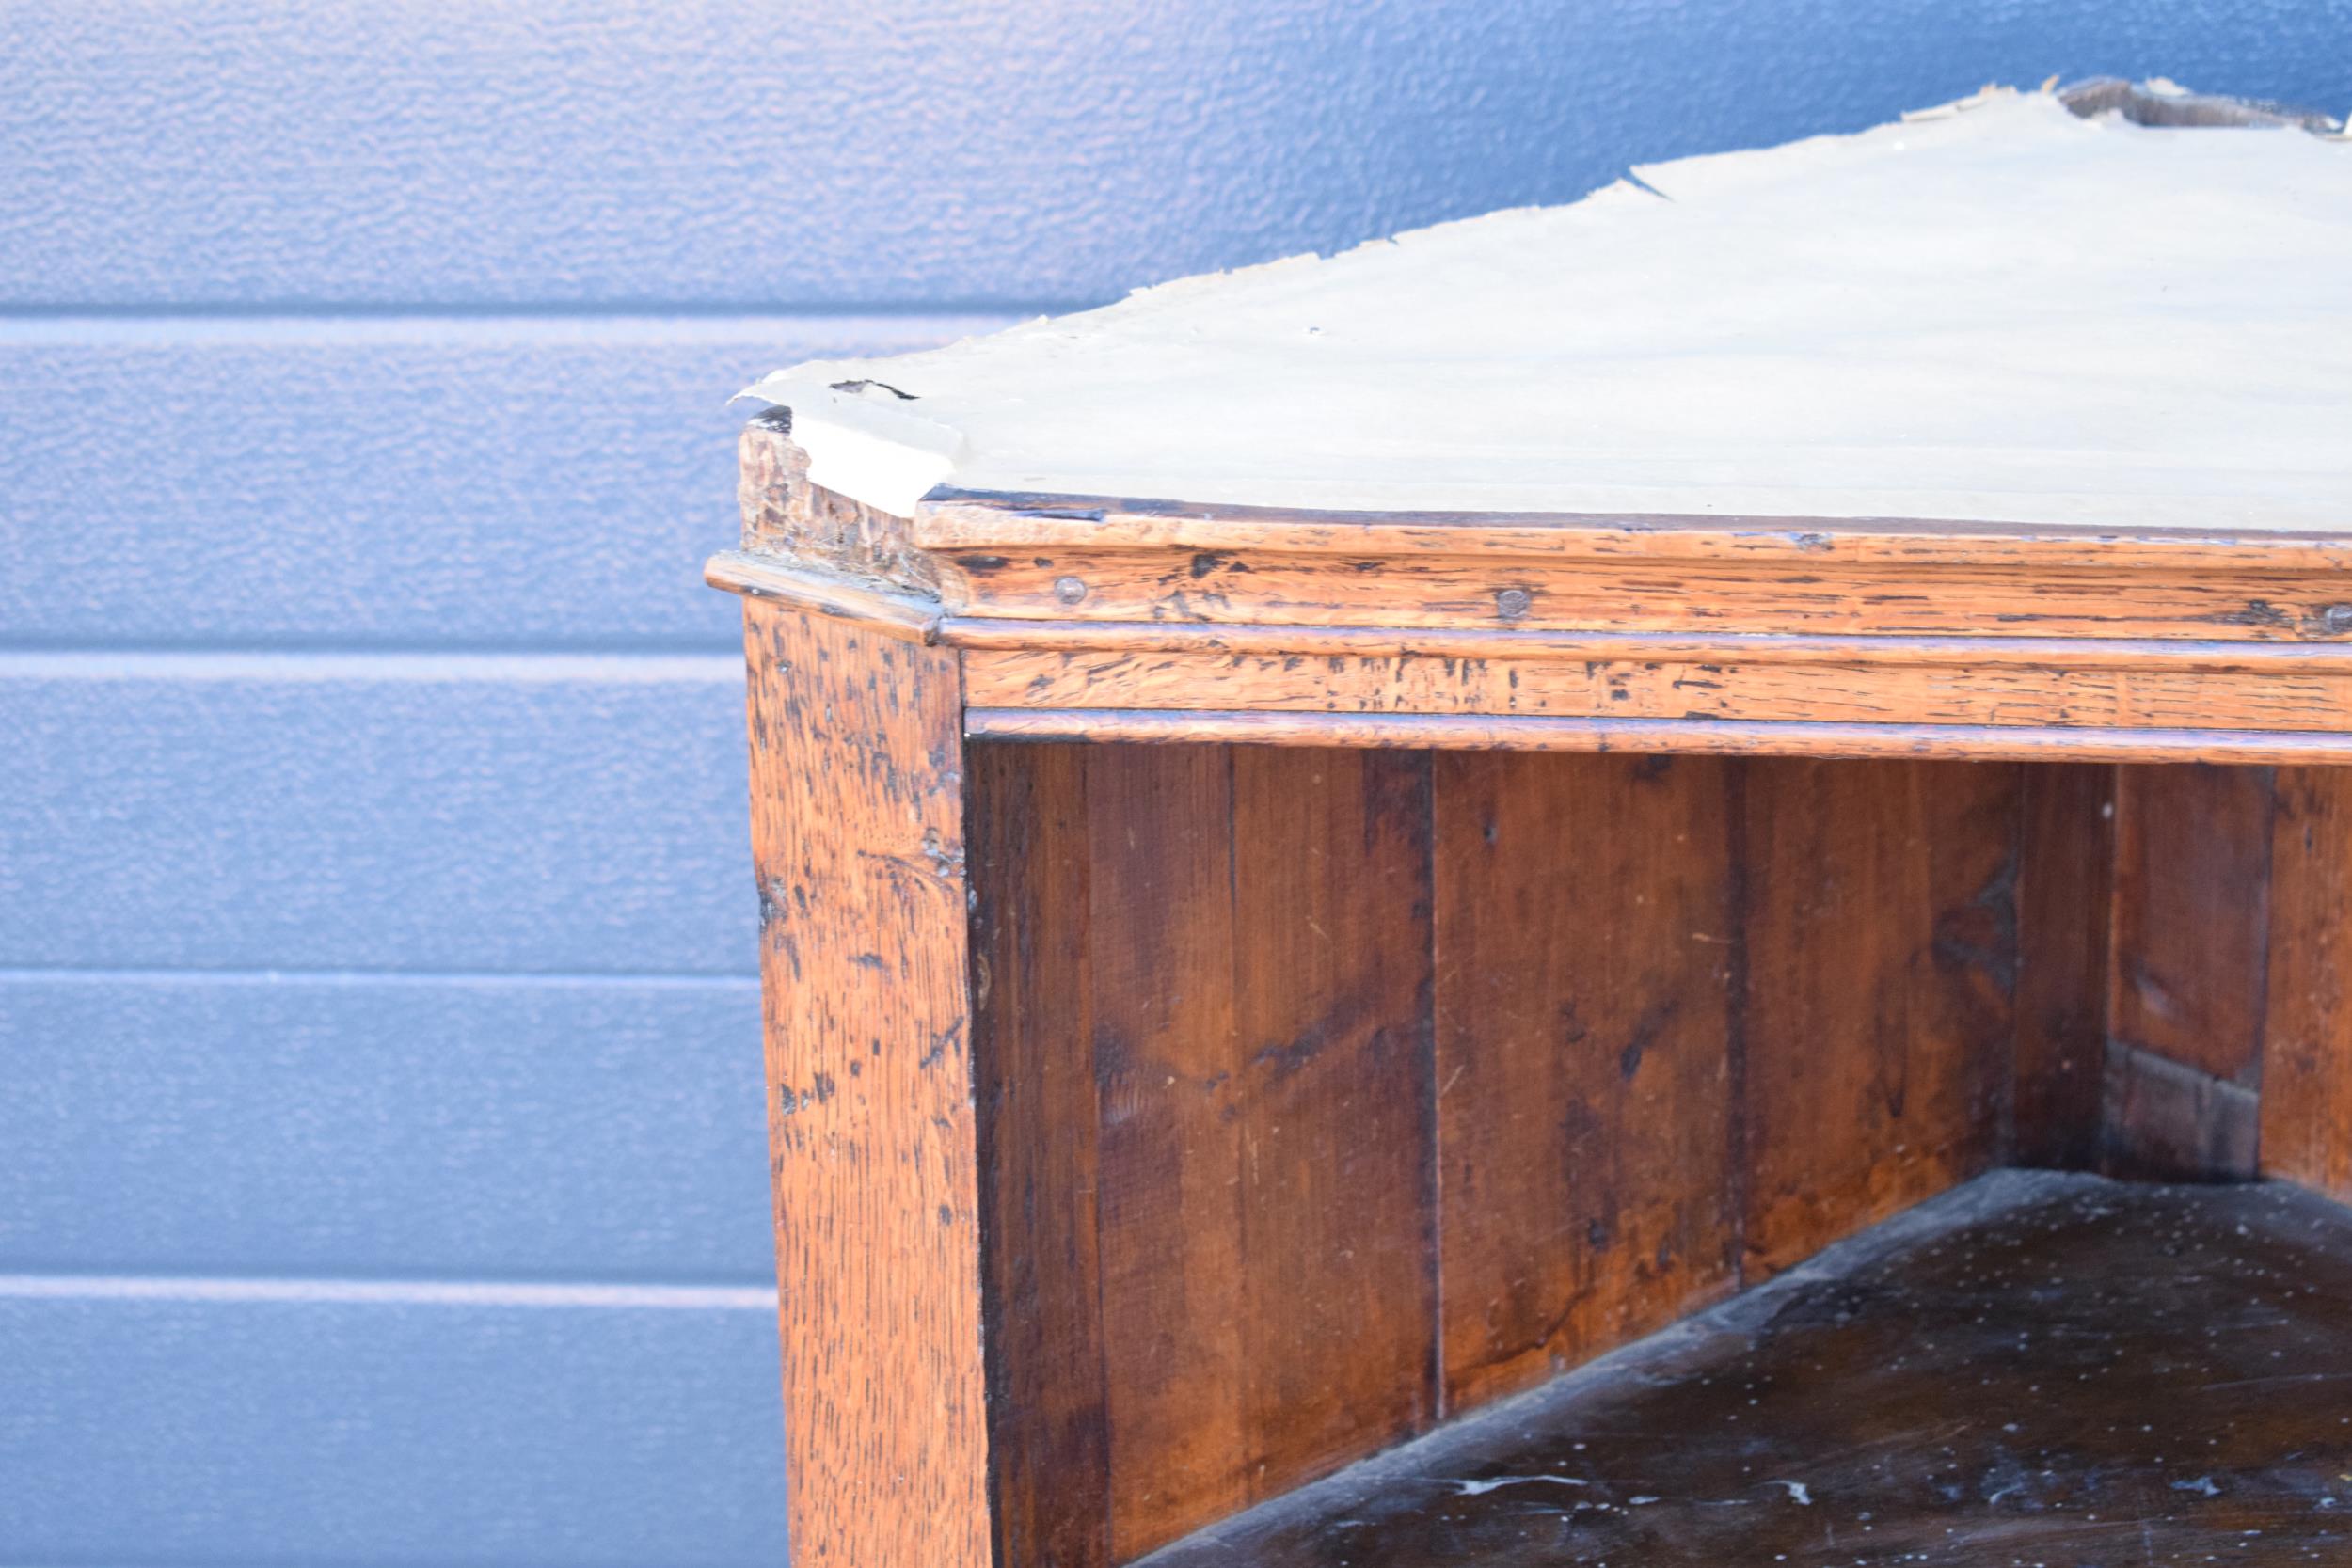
pixel 2025 309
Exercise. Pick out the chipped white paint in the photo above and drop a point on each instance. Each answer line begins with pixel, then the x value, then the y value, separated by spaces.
pixel 1480 1488
pixel 1996 310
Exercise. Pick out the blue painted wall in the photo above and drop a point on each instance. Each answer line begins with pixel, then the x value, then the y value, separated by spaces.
pixel 381 1174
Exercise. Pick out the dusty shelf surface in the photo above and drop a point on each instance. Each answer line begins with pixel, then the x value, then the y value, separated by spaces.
pixel 2035 1369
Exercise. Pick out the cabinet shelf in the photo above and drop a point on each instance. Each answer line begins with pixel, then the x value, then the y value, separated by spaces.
pixel 2035 1367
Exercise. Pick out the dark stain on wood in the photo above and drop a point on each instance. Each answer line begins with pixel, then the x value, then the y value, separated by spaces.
pixel 1881 950
pixel 2066 860
pixel 2307 1049
pixel 1049 1424
pixel 2040 1368
pixel 1585 934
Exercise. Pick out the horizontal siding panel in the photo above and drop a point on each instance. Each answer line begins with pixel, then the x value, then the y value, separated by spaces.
pixel 811 153
pixel 308 813
pixel 487 484
pixel 281 1431
pixel 367 1125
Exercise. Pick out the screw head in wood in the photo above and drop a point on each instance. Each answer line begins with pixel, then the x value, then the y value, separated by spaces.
pixel 2337 617
pixel 1512 603
pixel 1069 590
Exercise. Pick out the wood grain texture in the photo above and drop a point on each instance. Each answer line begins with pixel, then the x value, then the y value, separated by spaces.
pixel 1034 995
pixel 2187 973
pixel 965 521
pixel 890 615
pixel 1702 687
pixel 2306 1044
pixel 1332 996
pixel 2167 1121
pixel 1175 1277
pixel 2192 599
pixel 1661 736
pixel 2173 656
pixel 2192 866
pixel 787 518
pixel 1881 928
pixel 1204 1054
pixel 2065 907
pixel 857 834
pixel 2040 1368
pixel 1586 943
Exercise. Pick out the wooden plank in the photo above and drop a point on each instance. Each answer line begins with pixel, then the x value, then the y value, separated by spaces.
pixel 2182 599
pixel 1049 1429
pixel 2065 902
pixel 2307 1032
pixel 1174 1276
pixel 1882 950
pixel 1332 991
pixel 970 521
pixel 2166 1121
pixel 892 614
pixel 1678 736
pixel 2176 655
pixel 1701 687
pixel 816 529
pixel 2192 866
pixel 2040 1368
pixel 857 834
pixel 1586 935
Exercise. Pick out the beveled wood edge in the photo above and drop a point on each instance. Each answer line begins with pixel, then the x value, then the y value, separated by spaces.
pixel 917 619
pixel 1005 633
pixel 976 520
pixel 1976 742
pixel 906 616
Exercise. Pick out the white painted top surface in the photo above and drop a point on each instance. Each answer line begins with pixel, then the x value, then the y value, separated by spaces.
pixel 1994 311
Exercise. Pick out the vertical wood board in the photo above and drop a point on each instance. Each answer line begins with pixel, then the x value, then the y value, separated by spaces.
pixel 1586 939
pixel 857 834
pixel 1033 991
pixel 1881 923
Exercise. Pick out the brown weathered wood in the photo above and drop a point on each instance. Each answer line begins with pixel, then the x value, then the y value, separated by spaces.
pixel 1699 737
pixel 2192 600
pixel 2192 864
pixel 2065 904
pixel 2307 1049
pixel 1881 926
pixel 857 834
pixel 900 615
pixel 2167 1121
pixel 1204 1058
pixel 976 521
pixel 1696 687
pixel 2173 656
pixel 2192 867
pixel 2042 1369
pixel 1586 938
pixel 1166 1060
pixel 1332 989
pixel 1287 1094
pixel 1034 988
pixel 787 518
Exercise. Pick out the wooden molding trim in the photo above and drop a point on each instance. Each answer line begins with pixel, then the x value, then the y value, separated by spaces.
pixel 1478 732
pixel 962 521
pixel 993 634
pixel 900 615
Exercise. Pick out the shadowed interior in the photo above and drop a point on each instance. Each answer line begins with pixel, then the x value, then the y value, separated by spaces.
pixel 1328 1095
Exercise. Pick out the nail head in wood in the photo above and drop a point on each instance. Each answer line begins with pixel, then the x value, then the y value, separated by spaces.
pixel 1069 590
pixel 1514 603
